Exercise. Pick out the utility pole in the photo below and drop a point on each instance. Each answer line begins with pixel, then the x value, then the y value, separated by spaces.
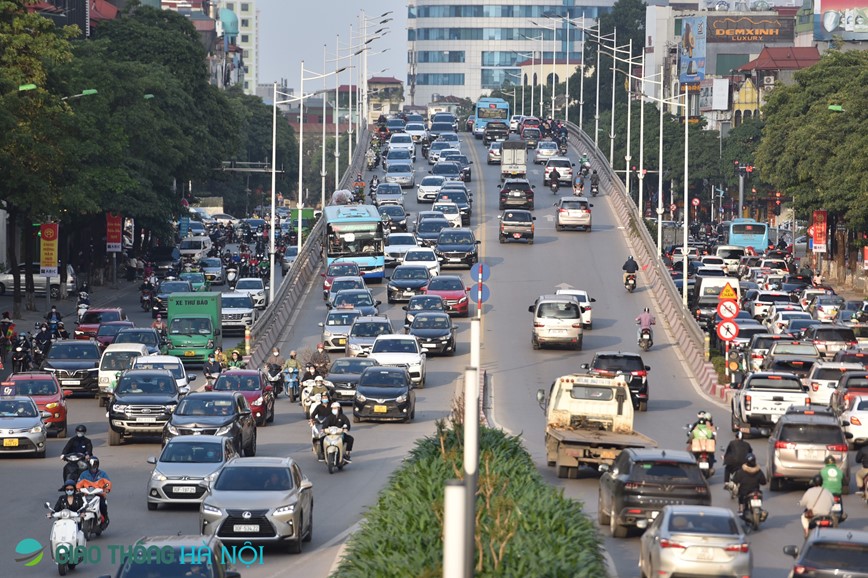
pixel 743 171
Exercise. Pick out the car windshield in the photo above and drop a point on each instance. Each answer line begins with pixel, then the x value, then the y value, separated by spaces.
pixel 457 197
pixel 73 351
pixel 211 263
pixel 17 408
pixel 445 169
pixel 399 168
pixel 400 138
pixel 370 329
pixel 361 299
pixel 254 479
pixel 342 270
pixel 395 346
pixel 446 208
pixel 843 556
pixel 143 337
pixel 808 350
pixel 341 284
pixel 835 334
pixel 176 369
pixel 703 524
pixel 432 225
pixel 193 277
pixel 446 284
pixel 341 318
pixel 431 322
pixel 97 317
pixel 146 385
pixel 402 154
pixel 414 127
pixel 455 238
pixel 426 303
pixel 811 434
pixel 547 145
pixel 665 470
pixel 190 326
pixel 392 211
pixel 395 240
pixel 828 373
pixel 432 182
pixel 117 360
pixel 517 217
pixel 411 273
pixel 558 310
pixel 382 378
pixel 776 382
pixel 249 284
pixel 344 366
pixel 420 256
pixel 239 302
pixel 109 330
pixel 170 287
pixel 190 452
pixel 35 387
pixel 234 382
pixel 730 253
pixel 531 133
pixel 206 406
pixel 574 205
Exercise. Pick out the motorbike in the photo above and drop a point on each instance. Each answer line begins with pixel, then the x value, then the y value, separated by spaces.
pixel 232 276
pixel 334 448
pixel 838 514
pixel 703 451
pixel 74 466
pixel 274 376
pixel 371 160
pixel 562 148
pixel 645 339
pixel 66 539
pixel 630 283
pixel 84 304
pixel 595 190
pixel 20 359
pixel 290 377
pixel 753 512
pixel 555 186
pixel 93 523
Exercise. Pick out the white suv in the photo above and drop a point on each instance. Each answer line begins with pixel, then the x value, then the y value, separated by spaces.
pixel 565 169
pixel 401 351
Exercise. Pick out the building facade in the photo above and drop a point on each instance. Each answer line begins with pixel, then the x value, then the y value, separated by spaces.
pixel 468 49
pixel 248 39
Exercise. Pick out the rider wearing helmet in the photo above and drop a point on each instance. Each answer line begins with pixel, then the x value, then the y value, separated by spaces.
pixel 336 418
pixel 95 477
pixel 630 267
pixel 703 430
pixel 645 320
pixel 749 479
pixel 735 456
pixel 817 501
pixel 833 477
pixel 595 179
pixel 80 444
pixel 320 359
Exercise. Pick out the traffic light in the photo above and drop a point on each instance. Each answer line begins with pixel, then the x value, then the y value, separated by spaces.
pixel 749 168
pixel 778 207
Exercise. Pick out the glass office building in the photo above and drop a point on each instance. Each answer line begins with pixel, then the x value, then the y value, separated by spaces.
pixel 467 49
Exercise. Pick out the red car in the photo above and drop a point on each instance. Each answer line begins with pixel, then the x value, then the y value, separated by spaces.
pixel 338 269
pixel 255 389
pixel 109 330
pixel 45 391
pixel 453 291
pixel 90 322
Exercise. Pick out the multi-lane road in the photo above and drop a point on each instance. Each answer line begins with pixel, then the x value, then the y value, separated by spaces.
pixel 520 273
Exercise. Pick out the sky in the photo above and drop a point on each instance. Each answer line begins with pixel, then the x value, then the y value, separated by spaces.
pixel 295 30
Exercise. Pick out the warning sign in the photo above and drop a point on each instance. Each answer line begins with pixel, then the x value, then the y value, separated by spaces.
pixel 727 293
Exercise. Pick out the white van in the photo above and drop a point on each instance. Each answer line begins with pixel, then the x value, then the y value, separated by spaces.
pixel 731 256
pixel 168 362
pixel 557 319
pixel 195 248
pixel 116 357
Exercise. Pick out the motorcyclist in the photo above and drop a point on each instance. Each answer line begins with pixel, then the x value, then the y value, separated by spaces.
pixel 862 461
pixel 833 477
pixel 595 179
pixel 212 369
pixel 703 429
pixel 275 358
pixel 159 324
pixel 554 176
pixel 95 477
pixel 318 413
pixel 734 457
pixel 320 386
pixel 630 267
pixel 78 444
pixel 645 320
pixel 584 160
pixel 579 183
pixel 310 372
pixel 816 501
pixel 292 363
pixel 235 361
pixel 749 479
pixel 220 357
pixel 320 359
pixel 71 498
pixel 42 337
pixel 54 316
pixel 336 418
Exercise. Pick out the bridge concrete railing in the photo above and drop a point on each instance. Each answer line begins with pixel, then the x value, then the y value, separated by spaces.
pixel 269 327
pixel 689 336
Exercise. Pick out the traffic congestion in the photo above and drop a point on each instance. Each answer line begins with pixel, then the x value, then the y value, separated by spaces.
pixel 159 426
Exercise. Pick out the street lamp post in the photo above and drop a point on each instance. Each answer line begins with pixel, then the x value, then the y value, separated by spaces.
pixel 521 78
pixel 533 73
pixel 554 61
pixel 365 21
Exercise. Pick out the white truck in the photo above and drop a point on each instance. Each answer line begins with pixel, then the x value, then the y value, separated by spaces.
pixel 763 398
pixel 513 160
pixel 589 421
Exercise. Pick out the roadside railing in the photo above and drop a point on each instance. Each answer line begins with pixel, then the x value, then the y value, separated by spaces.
pixel 270 326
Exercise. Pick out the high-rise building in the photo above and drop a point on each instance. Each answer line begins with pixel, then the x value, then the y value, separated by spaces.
pixel 248 39
pixel 468 49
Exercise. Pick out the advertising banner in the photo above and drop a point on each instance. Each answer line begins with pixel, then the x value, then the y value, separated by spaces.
pixel 759 29
pixel 845 18
pixel 114 232
pixel 48 248
pixel 821 231
pixel 691 66
pixel 714 94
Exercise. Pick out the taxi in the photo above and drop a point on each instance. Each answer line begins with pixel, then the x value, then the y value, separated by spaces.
pixel 21 428
pixel 44 389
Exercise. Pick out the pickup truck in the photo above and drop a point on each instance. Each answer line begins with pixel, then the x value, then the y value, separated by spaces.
pixel 516 225
pixel 764 398
pixel 513 160
pixel 589 421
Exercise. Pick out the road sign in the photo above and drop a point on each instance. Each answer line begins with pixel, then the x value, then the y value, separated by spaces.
pixel 183 226
pixel 475 293
pixel 811 231
pixel 672 207
pixel 480 270
pixel 727 330
pixel 728 309
pixel 695 202
pixel 727 293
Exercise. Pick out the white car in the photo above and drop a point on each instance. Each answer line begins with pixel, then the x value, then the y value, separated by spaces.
pixel 402 141
pixel 585 301
pixel 545 150
pixel 429 188
pixel 856 415
pixel 515 121
pixel 170 363
pixel 255 287
pixel 423 257
pixel 397 245
pixel 713 262
pixel 452 139
pixel 401 351
pixel 449 210
pixel 416 130
pixel 780 322
pixel 822 380
pixel 225 219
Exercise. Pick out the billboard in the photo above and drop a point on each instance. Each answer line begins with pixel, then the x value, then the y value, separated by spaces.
pixel 114 232
pixel 759 29
pixel 691 65
pixel 821 231
pixel 714 94
pixel 845 18
pixel 48 248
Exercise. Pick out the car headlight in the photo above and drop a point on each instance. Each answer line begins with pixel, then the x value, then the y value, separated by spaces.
pixel 170 408
pixel 157 476
pixel 52 405
pixel 463 299
pixel 258 401
pixel 209 509
pixel 120 408
pixel 210 344
pixel 283 510
pixel 36 429
pixel 224 430
pixel 172 429
pixel 361 398
pixel 401 399
pixel 326 334
pixel 355 347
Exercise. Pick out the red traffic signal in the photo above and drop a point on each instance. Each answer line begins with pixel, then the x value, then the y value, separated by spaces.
pixel 778 194
pixel 749 168
pixel 778 202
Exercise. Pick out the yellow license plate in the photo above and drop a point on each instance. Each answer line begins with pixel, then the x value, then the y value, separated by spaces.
pixel 341 341
pixel 377 409
pixel 189 354
pixel 13 442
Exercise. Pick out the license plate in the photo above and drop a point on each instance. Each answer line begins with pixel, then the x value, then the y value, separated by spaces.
pixel 835 507
pixel 703 465
pixel 756 503
pixel 704 553
pixel 184 490
pixel 189 353
pixel 377 409
pixel 146 420
pixel 10 443
pixel 654 515
pixel 516 235
pixel 558 331
pixel 454 259
pixel 341 341
pixel 245 528
pixel 813 454
pixel 409 293
pixel 514 194
pixel 69 382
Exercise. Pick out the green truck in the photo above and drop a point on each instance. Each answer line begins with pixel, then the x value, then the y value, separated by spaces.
pixel 193 325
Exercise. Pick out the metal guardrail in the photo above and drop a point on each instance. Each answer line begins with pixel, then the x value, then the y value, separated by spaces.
pixel 686 331
pixel 269 327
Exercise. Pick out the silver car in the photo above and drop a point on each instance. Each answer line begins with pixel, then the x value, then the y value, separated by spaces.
pixel 573 213
pixel 185 462
pixel 429 188
pixel 261 500
pixel 695 541
pixel 364 331
pixel 336 327
pixel 237 312
pixel 254 287
pixel 21 428
pixel 212 267
pixel 402 173
pixel 545 150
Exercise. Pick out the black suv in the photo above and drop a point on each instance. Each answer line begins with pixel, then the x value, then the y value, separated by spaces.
pixel 641 482
pixel 221 413
pixel 75 364
pixel 516 193
pixel 495 131
pixel 831 552
pixel 463 165
pixel 142 403
pixel 457 247
pixel 165 260
pixel 610 363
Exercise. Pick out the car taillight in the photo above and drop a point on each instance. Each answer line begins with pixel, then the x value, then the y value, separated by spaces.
pixel 756 355
pixel 815 386
pixel 799 569
pixel 664 543
pixel 562 210
pixel 577 325
pixel 640 373
pixel 632 486
pixel 743 548
pixel 538 325
pixel 855 420
pixel 700 490
pixel 747 403
pixel 852 343
pixel 588 308
pixel 837 448
pixel 779 445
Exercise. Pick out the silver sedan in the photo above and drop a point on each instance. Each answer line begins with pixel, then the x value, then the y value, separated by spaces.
pixel 186 461
pixel 402 174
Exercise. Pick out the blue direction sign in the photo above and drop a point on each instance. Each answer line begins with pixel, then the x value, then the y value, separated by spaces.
pixel 183 226
pixel 480 270
pixel 474 293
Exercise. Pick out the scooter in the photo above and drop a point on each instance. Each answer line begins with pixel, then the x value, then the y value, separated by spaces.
pixel 334 448
pixel 20 359
pixel 290 377
pixel 84 304
pixel 66 539
pixel 838 513
pixel 274 376
pixel 630 283
pixel 822 522
pixel 645 339
pixel 74 466
pixel 595 190
pixel 555 186
pixel 703 451
pixel 92 523
pixel 753 512
pixel 232 276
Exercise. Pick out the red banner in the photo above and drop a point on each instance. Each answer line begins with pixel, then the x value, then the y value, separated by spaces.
pixel 821 231
pixel 114 232
pixel 48 248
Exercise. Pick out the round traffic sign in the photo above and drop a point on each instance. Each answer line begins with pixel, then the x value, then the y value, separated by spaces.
pixel 811 231
pixel 695 202
pixel 727 330
pixel 672 207
pixel 480 270
pixel 728 309
pixel 474 294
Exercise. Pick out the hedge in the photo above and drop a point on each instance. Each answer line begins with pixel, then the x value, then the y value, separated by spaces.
pixel 524 526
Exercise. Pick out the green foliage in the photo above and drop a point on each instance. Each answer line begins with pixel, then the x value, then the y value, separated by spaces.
pixel 740 145
pixel 523 525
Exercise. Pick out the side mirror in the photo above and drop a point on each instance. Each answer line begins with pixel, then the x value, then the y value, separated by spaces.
pixel 47 506
pixel 226 574
pixel 585 366
pixel 791 551
pixel 533 186
pixel 572 164
pixel 593 300
pixel 321 324
pixel 184 390
pixel 533 218
pixel 530 309
pixel 378 303
pixel 647 368
pixel 405 308
pixel 152 460
pixel 45 414
pixel 541 399
pixel 305 485
pixel 590 204
pixel 205 484
pixel 67 393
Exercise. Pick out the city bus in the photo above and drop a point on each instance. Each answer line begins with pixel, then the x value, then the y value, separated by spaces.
pixel 355 233
pixel 488 109
pixel 748 233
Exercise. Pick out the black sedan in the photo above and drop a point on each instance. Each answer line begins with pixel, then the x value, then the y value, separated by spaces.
pixel 457 247
pixel 344 373
pixel 421 303
pixel 406 282
pixel 435 332
pixel 384 393
pixel 220 413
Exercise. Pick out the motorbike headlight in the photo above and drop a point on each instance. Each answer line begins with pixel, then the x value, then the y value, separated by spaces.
pixel 157 476
pixel 361 398
pixel 258 401
pixel 36 429
pixel 283 510
pixel 224 430
pixel 209 509
pixel 103 379
pixel 401 399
